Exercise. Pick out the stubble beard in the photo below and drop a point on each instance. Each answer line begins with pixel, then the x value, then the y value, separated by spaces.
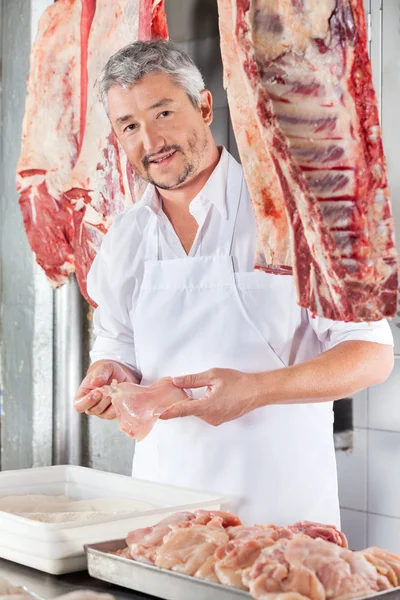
pixel 197 149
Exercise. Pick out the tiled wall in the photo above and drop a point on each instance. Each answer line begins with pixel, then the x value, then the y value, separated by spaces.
pixel 369 476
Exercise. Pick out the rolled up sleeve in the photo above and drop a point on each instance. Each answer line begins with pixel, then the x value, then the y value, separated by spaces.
pixel 331 333
pixel 111 321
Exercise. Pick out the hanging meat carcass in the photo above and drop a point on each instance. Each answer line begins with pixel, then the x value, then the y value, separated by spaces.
pixel 71 175
pixel 306 122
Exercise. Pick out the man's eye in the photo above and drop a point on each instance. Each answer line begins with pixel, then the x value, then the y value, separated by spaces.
pixel 130 127
pixel 164 113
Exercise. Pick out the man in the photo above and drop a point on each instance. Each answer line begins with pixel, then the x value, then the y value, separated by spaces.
pixel 178 297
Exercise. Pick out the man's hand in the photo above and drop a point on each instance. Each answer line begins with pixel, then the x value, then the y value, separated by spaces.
pixel 230 395
pixel 90 399
pixel 337 373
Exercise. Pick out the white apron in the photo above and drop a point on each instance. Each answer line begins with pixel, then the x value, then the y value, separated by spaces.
pixel 277 463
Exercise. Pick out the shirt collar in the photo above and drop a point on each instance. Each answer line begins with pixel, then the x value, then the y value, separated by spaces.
pixel 214 191
pixel 149 203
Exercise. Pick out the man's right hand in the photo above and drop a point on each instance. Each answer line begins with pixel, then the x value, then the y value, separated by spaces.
pixel 90 399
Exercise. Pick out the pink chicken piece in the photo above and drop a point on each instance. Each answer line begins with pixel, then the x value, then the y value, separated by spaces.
pixel 186 549
pixel 215 518
pixel 138 407
pixel 314 568
pixel 143 543
pixel 318 530
pixel 387 564
pixel 233 558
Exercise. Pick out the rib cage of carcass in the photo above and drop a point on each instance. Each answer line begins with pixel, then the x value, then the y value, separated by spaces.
pixel 72 175
pixel 305 117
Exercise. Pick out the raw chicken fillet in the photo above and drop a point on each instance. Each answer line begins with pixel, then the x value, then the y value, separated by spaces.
pixel 138 407
pixel 303 561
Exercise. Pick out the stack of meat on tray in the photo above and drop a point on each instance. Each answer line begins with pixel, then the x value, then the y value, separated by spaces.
pixel 301 561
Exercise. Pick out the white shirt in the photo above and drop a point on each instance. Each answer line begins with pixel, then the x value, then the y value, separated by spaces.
pixel 115 277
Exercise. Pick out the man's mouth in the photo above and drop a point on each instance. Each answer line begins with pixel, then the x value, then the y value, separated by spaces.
pixel 162 159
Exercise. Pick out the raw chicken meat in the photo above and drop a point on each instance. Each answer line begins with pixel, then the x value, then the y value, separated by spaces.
pixel 71 176
pixel 274 533
pixel 186 549
pixel 216 518
pixel 315 530
pixel 233 558
pixel 304 561
pixel 312 567
pixel 144 543
pixel 305 117
pixel 386 563
pixel 138 406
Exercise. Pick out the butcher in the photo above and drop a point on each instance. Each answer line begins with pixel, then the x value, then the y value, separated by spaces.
pixel 177 297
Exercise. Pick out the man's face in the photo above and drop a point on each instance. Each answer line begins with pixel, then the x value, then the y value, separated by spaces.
pixel 164 136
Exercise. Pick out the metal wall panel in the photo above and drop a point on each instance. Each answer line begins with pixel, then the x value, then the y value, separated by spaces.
pixel 26 328
pixel 17 291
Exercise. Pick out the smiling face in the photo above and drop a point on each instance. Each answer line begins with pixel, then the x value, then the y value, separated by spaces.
pixel 166 138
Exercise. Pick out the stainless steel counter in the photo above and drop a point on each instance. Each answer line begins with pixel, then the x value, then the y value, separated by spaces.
pixel 50 586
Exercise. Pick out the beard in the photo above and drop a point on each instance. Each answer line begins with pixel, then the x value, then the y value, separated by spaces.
pixel 191 163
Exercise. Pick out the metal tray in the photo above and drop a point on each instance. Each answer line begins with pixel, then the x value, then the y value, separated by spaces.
pixel 152 580
pixel 167 585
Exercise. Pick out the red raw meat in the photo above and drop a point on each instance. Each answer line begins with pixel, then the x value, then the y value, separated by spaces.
pixel 305 116
pixel 71 175
pixel 51 138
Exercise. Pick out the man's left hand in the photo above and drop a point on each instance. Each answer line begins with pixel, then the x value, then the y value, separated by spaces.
pixel 230 395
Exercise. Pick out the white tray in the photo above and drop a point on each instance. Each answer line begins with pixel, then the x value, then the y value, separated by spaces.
pixel 57 548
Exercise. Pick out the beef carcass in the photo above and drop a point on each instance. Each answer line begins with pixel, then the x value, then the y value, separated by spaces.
pixel 305 117
pixel 138 407
pixel 51 138
pixel 102 183
pixel 71 175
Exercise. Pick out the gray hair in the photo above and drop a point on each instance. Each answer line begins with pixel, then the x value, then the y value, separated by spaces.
pixel 127 66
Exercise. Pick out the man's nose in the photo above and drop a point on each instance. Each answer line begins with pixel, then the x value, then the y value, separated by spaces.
pixel 152 140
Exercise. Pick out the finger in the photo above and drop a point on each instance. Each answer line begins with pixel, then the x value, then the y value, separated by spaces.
pixel 195 380
pixel 102 375
pixel 100 407
pixel 108 414
pixel 184 409
pixel 84 388
pixel 98 377
pixel 86 402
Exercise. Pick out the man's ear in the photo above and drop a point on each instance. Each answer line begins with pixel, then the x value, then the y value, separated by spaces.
pixel 206 107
